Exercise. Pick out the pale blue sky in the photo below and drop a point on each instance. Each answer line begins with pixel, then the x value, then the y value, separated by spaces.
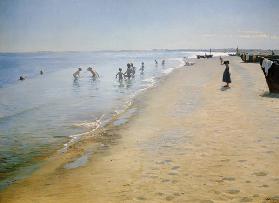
pixel 85 25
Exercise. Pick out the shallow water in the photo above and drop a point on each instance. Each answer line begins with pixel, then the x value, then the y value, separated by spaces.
pixel 45 112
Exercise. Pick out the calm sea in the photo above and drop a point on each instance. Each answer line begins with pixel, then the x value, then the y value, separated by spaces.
pixel 43 113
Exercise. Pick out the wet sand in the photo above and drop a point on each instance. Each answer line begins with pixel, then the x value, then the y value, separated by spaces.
pixel 189 141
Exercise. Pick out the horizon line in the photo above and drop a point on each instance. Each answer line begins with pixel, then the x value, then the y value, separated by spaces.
pixel 134 50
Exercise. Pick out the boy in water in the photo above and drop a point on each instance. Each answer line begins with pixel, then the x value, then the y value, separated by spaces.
pixel 133 69
pixel 142 67
pixel 93 72
pixel 76 74
pixel 128 72
pixel 120 74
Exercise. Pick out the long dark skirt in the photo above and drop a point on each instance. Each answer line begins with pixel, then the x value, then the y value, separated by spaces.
pixel 227 76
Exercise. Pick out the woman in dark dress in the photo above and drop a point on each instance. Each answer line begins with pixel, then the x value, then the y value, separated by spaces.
pixel 227 74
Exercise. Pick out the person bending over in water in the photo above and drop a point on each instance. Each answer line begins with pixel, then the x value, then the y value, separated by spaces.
pixel 120 75
pixel 93 72
pixel 227 74
pixel 76 74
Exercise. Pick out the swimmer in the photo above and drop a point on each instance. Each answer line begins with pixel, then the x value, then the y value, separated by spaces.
pixel 120 75
pixel 22 78
pixel 93 72
pixel 76 74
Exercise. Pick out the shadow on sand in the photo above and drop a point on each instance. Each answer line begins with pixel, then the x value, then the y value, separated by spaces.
pixel 224 88
pixel 269 95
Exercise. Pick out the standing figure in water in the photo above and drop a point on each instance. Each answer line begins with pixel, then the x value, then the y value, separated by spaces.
pixel 156 62
pixel 94 73
pixel 142 67
pixel 128 72
pixel 163 62
pixel 41 72
pixel 133 69
pixel 120 75
pixel 227 74
pixel 76 74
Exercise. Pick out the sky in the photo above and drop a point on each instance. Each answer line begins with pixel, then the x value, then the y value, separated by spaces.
pixel 89 25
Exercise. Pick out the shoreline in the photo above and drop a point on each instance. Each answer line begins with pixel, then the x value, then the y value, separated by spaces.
pixel 87 134
pixel 176 148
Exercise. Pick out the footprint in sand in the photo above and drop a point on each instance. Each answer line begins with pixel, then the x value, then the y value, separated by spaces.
pixel 175 167
pixel 264 186
pixel 160 194
pixel 242 160
pixel 206 201
pixel 141 198
pixel 225 160
pixel 229 178
pixel 246 199
pixel 169 198
pixel 176 194
pixel 261 173
pixel 233 192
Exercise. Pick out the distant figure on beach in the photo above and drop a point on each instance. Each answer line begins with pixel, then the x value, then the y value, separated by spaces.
pixel 93 72
pixel 41 72
pixel 120 75
pixel 76 74
pixel 22 78
pixel 163 62
pixel 221 60
pixel 227 74
pixel 128 72
pixel 142 67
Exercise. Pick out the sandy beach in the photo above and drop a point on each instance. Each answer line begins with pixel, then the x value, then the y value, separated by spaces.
pixel 187 140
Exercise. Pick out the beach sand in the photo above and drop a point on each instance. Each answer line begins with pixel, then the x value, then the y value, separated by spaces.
pixel 189 141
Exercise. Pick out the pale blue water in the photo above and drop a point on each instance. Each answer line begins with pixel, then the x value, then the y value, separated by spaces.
pixel 41 114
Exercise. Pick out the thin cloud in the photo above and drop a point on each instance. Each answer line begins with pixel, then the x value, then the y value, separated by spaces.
pixel 244 35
